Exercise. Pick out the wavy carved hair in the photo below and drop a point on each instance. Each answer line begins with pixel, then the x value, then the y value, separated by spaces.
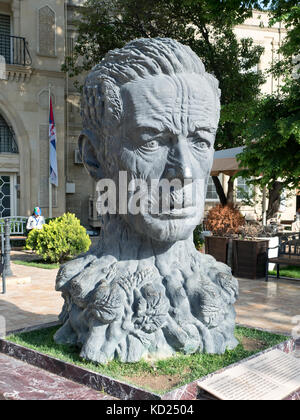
pixel 102 107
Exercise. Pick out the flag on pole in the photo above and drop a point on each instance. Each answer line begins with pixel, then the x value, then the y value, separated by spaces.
pixel 52 157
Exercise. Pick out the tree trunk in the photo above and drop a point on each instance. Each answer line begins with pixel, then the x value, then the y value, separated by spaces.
pixel 274 199
pixel 230 190
pixel 220 191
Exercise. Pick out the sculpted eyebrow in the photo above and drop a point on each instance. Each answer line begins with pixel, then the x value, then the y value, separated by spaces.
pixel 209 129
pixel 155 128
pixel 150 128
pixel 158 127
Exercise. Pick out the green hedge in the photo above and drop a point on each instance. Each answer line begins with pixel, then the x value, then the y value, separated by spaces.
pixel 198 239
pixel 59 239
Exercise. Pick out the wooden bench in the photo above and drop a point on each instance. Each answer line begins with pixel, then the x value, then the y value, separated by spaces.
pixel 17 228
pixel 288 252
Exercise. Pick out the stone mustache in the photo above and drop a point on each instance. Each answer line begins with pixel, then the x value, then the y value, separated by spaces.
pixel 151 110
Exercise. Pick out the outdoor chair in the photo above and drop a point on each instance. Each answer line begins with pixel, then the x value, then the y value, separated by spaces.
pixel 17 228
pixel 288 252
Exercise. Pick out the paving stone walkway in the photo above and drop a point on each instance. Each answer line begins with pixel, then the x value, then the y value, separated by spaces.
pixel 272 305
pixel 26 305
pixel 269 306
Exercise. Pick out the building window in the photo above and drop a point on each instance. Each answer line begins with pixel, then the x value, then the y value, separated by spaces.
pixel 47 31
pixel 5 196
pixel 211 191
pixel 5 24
pixel 5 40
pixel 70 46
pixel 7 139
pixel 243 190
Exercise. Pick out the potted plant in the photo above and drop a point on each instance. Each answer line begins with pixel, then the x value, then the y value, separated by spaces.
pixel 250 252
pixel 223 222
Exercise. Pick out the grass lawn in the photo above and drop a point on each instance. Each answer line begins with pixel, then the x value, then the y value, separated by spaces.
pixel 158 376
pixel 37 263
pixel 288 271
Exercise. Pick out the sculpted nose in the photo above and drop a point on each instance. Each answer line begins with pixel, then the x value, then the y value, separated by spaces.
pixel 179 161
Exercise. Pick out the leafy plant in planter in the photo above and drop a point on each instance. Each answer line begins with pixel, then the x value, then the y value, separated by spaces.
pixel 237 243
pixel 256 230
pixel 249 258
pixel 250 252
pixel 60 239
pixel 223 222
pixel 250 231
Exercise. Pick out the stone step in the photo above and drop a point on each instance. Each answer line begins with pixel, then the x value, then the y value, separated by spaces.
pixel 21 381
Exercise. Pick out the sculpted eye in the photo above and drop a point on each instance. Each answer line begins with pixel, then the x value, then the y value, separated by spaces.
pixel 150 146
pixel 201 145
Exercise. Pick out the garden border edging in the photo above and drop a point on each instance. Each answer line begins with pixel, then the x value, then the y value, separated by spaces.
pixel 117 388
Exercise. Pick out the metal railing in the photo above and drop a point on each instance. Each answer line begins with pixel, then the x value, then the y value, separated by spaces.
pixel 14 49
pixel 9 228
pixel 5 268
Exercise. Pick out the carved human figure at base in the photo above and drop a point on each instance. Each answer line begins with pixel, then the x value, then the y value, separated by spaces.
pixel 150 112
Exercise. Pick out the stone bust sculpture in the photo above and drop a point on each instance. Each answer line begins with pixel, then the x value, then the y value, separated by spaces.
pixel 150 111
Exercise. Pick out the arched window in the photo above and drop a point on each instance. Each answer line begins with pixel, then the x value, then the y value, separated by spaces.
pixel 7 138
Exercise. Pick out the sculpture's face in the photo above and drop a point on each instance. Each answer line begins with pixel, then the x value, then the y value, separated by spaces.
pixel 168 132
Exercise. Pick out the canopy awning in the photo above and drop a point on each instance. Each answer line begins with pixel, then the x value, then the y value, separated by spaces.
pixel 225 162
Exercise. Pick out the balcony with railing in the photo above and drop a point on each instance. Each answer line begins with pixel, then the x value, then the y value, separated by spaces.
pixel 14 49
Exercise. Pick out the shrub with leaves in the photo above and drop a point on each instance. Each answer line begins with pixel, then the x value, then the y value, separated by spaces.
pixel 256 230
pixel 198 239
pixel 60 239
pixel 224 220
pixel 251 230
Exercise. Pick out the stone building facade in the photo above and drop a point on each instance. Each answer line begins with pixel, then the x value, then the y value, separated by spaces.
pixel 33 40
pixel 270 38
pixel 33 45
pixel 35 37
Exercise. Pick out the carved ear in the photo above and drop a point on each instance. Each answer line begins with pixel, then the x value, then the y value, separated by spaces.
pixel 87 147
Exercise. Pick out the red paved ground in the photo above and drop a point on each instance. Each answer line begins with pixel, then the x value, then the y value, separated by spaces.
pixel 20 381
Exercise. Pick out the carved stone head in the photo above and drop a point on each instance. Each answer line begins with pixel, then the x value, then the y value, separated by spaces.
pixel 150 113
pixel 151 110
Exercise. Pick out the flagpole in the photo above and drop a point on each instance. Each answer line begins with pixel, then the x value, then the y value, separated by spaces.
pixel 50 184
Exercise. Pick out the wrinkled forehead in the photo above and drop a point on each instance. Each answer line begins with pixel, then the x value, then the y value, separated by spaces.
pixel 182 102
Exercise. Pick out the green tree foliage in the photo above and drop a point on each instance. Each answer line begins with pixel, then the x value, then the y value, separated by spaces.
pixel 60 239
pixel 287 13
pixel 205 25
pixel 272 155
